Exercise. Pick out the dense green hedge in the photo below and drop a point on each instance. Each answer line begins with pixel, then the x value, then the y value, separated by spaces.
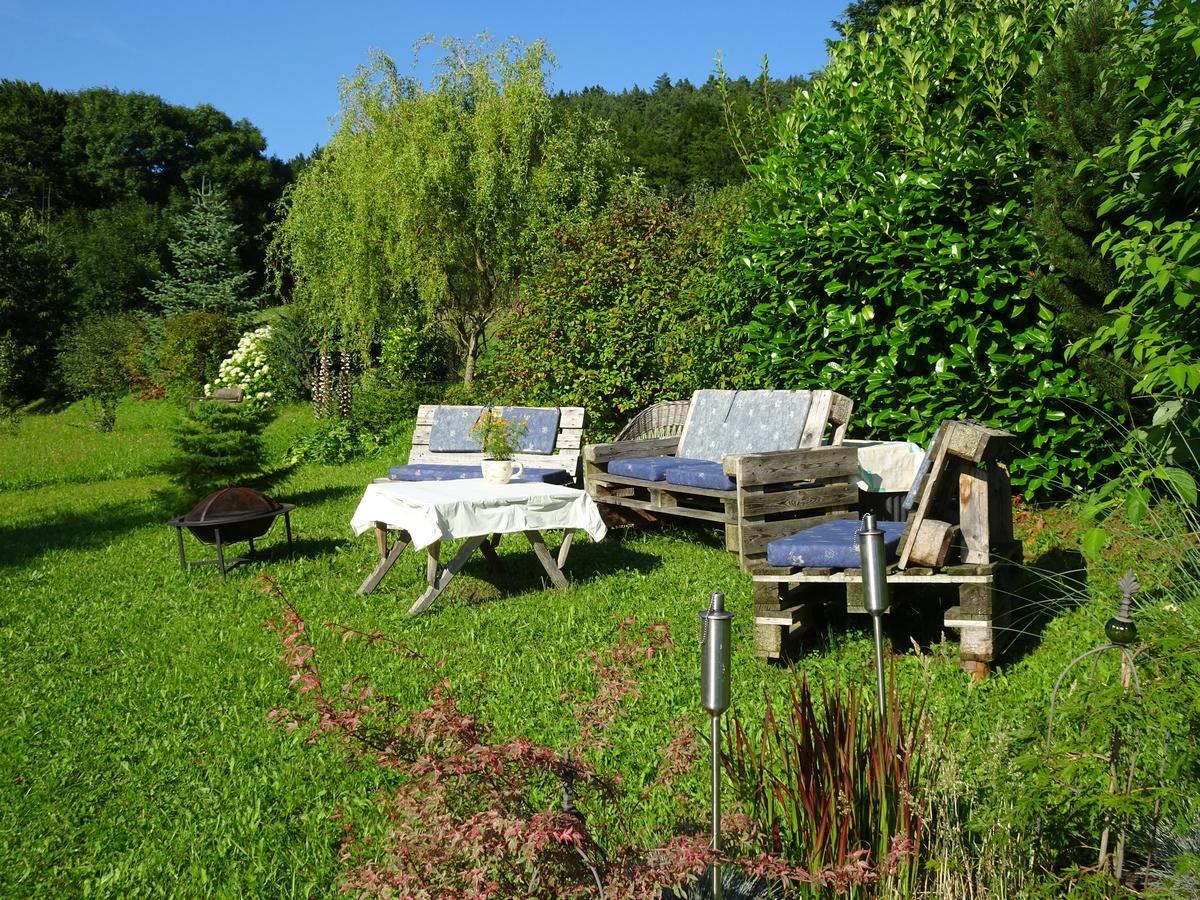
pixel 893 244
pixel 629 309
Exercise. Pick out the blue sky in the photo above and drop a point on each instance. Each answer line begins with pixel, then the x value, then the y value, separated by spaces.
pixel 278 64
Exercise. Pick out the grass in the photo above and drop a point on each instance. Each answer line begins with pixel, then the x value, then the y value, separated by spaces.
pixel 134 755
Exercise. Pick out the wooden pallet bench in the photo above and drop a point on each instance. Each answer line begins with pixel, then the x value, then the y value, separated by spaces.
pixel 789 477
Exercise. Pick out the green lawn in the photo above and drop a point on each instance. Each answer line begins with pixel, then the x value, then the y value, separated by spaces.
pixel 134 755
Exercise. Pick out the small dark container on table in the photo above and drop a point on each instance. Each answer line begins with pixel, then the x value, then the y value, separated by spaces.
pixel 229 516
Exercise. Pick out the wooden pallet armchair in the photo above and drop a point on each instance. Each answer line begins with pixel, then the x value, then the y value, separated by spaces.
pixel 742 458
pixel 957 549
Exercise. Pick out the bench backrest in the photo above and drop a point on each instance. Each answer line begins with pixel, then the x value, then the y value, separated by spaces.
pixel 552 440
pixel 726 423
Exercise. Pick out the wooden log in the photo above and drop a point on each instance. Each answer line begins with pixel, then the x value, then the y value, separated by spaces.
pixel 931 544
pixel 787 466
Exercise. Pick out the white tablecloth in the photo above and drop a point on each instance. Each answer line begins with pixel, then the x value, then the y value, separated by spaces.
pixel 887 466
pixel 444 510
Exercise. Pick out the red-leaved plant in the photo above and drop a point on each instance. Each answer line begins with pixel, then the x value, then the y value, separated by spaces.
pixel 835 789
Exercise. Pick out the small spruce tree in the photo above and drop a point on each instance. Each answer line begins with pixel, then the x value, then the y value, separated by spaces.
pixel 216 445
pixel 1079 112
pixel 204 272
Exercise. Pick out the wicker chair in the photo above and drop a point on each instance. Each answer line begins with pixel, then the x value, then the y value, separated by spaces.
pixel 663 419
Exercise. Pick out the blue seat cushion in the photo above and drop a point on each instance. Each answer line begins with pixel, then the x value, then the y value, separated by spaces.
pixel 439 472
pixel 833 544
pixel 703 475
pixel 649 468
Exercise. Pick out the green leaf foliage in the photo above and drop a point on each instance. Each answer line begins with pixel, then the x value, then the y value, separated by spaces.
pixel 893 245
pixel 1151 177
pixel 630 309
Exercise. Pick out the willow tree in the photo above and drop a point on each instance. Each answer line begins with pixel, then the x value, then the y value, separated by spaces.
pixel 433 200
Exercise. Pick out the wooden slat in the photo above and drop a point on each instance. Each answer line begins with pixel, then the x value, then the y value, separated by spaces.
pixel 820 496
pixel 570 417
pixel 839 416
pixel 975 443
pixel 568 460
pixel 682 490
pixel 974 514
pixel 925 495
pixel 605 453
pixel 781 466
pixel 818 419
pixel 569 439
pixel 708 515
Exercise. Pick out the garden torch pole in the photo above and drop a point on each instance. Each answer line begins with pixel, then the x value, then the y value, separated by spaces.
pixel 714 694
pixel 875 591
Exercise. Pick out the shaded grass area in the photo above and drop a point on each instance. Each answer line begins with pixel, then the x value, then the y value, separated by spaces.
pixel 135 759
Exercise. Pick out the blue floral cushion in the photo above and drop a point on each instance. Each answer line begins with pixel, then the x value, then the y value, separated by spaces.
pixel 702 475
pixel 833 544
pixel 437 472
pixel 451 430
pixel 541 427
pixel 649 468
pixel 722 423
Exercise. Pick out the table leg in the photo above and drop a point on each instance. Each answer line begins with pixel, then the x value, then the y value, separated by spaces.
pixel 539 548
pixel 381 539
pixel 432 561
pixel 565 547
pixel 372 582
pixel 489 551
pixel 435 589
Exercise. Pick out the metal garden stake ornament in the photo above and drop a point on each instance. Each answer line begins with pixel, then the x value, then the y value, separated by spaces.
pixel 875 591
pixel 714 695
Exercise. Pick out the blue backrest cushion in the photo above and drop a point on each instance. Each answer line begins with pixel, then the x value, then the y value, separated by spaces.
pixel 541 427
pixel 451 430
pixel 722 423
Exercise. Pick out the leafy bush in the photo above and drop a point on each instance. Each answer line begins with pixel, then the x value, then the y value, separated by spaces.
pixel 247 368
pixel 193 346
pixel 217 445
pixel 416 351
pixel 626 310
pixel 381 417
pixel 892 240
pixel 92 365
pixel 1151 176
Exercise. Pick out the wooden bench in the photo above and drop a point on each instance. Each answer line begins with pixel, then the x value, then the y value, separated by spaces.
pixel 957 550
pixel 565 455
pixel 771 487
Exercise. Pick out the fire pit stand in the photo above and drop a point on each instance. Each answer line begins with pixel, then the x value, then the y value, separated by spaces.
pixel 229 516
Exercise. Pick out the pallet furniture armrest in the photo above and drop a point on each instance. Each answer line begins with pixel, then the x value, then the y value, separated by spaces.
pixel 775 466
pixel 601 454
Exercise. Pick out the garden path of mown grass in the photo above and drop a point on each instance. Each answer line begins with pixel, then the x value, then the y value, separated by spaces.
pixel 134 755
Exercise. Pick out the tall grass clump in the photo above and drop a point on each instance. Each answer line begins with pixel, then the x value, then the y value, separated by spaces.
pixel 835 789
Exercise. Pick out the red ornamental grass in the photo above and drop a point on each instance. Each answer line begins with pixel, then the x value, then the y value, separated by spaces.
pixel 834 790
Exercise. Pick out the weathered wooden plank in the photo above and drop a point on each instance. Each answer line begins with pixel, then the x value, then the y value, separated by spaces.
pixel 802 614
pixel 974 443
pixel 784 466
pixel 818 419
pixel 817 496
pixel 931 545
pixel 385 564
pixel 707 515
pixel 843 577
pixel 570 417
pixel 839 417
pixel 557 578
pixel 974 514
pixel 1000 504
pixel 680 490
pixel 567 460
pixel 604 453
pixel 569 440
pixel 925 495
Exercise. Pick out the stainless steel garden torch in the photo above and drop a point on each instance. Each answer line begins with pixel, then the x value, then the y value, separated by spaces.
pixel 714 695
pixel 875 592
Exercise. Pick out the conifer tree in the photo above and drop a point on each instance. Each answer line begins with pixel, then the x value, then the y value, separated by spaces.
pixel 204 272
pixel 1080 111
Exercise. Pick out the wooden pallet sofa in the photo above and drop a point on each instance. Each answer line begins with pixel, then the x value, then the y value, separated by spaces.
pixel 956 549
pixel 743 458
pixel 444 448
